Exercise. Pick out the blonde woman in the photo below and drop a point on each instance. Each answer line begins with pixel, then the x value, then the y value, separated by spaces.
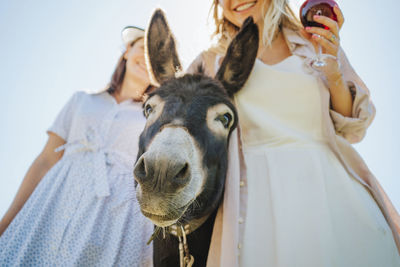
pixel 297 193
pixel 77 204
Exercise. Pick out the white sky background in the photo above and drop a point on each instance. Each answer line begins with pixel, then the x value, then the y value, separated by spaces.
pixel 50 49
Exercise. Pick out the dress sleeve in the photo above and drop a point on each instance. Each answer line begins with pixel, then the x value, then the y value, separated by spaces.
pixel 205 61
pixel 62 124
pixel 196 64
pixel 353 129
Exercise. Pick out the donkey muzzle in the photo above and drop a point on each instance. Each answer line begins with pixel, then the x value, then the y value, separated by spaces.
pixel 166 165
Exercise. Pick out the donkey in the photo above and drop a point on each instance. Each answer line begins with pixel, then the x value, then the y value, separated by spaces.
pixel 182 160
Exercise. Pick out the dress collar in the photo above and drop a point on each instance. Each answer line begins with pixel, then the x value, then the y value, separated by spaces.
pixel 111 99
pixel 294 39
pixel 300 46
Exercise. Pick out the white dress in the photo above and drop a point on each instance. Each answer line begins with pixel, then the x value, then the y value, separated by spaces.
pixel 84 211
pixel 303 207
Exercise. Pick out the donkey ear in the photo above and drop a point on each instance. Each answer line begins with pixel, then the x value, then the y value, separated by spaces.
pixel 239 60
pixel 160 47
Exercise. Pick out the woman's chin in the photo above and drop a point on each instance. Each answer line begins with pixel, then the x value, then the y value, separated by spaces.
pixel 254 12
pixel 139 74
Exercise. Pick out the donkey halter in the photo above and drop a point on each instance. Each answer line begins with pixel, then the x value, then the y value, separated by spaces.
pixel 185 259
pixel 181 231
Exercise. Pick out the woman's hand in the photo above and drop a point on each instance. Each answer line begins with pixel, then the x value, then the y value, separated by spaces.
pixel 329 41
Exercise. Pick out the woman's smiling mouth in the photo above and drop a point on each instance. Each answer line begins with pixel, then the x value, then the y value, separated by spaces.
pixel 245 6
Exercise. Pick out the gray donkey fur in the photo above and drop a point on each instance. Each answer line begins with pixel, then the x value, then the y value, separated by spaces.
pixel 183 150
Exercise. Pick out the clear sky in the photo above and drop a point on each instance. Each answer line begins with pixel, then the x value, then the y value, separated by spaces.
pixel 50 49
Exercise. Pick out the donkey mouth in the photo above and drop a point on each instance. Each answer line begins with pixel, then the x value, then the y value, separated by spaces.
pixel 168 218
pixel 161 220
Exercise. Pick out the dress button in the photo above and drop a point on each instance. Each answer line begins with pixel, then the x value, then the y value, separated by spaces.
pixel 241 220
pixel 242 183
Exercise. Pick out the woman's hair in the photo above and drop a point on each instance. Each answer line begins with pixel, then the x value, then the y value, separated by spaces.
pixel 119 73
pixel 278 15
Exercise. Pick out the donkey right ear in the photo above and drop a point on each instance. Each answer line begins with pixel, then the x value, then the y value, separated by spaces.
pixel 160 47
pixel 240 57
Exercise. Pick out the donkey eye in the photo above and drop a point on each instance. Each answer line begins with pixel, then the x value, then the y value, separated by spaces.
pixel 147 110
pixel 225 119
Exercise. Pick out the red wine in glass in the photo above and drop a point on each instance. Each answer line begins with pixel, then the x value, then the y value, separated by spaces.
pixel 317 7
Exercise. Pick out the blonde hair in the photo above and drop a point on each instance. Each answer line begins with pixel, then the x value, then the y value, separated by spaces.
pixel 278 15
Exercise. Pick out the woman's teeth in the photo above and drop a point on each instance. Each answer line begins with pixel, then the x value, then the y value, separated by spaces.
pixel 245 6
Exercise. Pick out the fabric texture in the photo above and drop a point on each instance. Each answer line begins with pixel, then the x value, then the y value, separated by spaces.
pixel 338 131
pixel 312 213
pixel 84 211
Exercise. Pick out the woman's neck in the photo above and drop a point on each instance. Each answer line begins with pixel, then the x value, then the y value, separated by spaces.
pixel 276 52
pixel 131 88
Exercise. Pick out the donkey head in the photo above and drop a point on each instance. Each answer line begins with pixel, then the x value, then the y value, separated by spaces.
pixel 182 159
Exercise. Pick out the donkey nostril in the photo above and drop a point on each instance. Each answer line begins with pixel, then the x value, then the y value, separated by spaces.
pixel 139 171
pixel 182 173
pixel 182 177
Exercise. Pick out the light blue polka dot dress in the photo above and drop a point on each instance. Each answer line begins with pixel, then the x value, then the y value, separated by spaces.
pixel 84 211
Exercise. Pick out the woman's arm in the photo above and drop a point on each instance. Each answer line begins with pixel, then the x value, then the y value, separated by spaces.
pixel 341 98
pixel 46 159
pixel 352 111
pixel 354 127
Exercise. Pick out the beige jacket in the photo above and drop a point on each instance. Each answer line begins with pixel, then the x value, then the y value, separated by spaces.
pixel 341 132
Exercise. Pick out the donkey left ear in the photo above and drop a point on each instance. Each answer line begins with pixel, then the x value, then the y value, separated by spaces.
pixel 240 56
pixel 161 49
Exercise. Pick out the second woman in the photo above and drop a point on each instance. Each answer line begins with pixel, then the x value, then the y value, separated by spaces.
pixel 77 204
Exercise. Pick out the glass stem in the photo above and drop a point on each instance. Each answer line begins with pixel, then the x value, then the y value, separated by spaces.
pixel 318 62
pixel 319 55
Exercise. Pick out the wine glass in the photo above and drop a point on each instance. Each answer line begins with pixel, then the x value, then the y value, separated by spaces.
pixel 307 12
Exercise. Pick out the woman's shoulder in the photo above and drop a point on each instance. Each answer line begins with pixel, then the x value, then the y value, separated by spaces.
pixel 79 94
pixel 206 59
pixel 296 38
pixel 91 94
pixel 86 96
